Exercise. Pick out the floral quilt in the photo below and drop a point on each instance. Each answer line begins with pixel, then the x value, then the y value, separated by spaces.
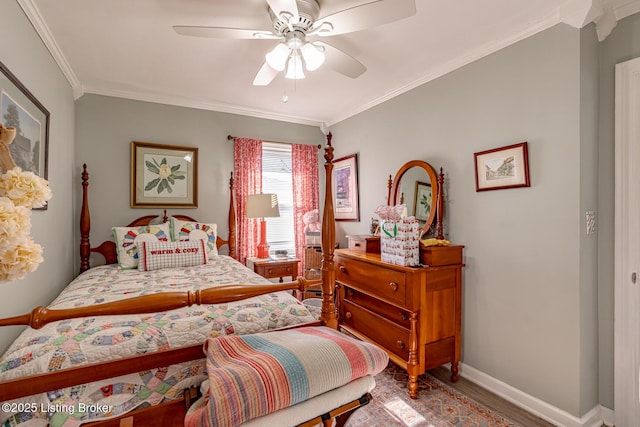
pixel 76 342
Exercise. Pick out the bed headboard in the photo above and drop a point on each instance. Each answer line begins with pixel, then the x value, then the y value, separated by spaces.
pixel 108 248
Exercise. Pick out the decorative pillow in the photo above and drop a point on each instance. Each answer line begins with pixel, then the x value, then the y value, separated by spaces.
pixel 156 255
pixel 127 239
pixel 185 230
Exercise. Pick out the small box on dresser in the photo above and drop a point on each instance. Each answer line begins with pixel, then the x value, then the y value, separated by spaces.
pixel 364 243
pixel 441 255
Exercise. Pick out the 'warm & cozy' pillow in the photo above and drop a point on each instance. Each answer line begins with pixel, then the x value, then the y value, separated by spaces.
pixel 156 255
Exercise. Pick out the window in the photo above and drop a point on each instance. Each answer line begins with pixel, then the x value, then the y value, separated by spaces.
pixel 276 178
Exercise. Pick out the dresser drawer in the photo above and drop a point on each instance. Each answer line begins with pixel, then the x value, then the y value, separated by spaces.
pixel 388 311
pixel 277 271
pixel 381 282
pixel 389 335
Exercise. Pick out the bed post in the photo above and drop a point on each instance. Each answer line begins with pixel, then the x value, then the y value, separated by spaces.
pixel 328 315
pixel 232 219
pixel 85 223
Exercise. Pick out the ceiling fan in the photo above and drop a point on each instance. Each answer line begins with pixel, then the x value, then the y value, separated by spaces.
pixel 296 23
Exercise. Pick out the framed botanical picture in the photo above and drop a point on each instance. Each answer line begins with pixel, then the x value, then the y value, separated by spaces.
pixel 21 110
pixel 504 167
pixel 345 188
pixel 422 201
pixel 163 176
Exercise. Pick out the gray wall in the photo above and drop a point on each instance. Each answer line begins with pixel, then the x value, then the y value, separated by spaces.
pixel 528 313
pixel 622 44
pixel 24 54
pixel 106 126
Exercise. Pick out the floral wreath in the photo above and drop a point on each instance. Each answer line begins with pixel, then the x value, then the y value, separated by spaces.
pixel 19 193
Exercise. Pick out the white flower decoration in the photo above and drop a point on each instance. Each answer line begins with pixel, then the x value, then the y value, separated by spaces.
pixel 19 260
pixel 14 223
pixel 25 188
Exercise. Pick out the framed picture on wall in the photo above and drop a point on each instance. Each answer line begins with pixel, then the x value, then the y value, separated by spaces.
pixel 163 176
pixel 20 109
pixel 345 189
pixel 504 167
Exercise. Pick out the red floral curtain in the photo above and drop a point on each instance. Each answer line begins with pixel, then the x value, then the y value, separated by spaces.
pixel 304 165
pixel 248 180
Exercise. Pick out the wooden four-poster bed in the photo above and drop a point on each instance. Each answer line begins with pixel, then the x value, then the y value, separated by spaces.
pixel 149 369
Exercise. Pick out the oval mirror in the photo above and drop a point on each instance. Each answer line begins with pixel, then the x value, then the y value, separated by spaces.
pixel 416 185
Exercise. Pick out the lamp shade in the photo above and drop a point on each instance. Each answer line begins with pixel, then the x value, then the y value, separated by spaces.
pixel 313 57
pixel 262 206
pixel 294 67
pixel 277 58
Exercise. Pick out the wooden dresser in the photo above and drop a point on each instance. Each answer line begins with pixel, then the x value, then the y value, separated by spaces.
pixel 414 313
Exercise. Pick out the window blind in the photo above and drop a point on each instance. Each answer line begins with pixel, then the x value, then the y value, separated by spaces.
pixel 276 178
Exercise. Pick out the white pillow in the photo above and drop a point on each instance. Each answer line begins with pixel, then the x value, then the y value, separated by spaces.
pixel 186 231
pixel 156 255
pixel 128 238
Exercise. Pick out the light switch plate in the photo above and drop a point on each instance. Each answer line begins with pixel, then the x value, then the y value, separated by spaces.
pixel 591 222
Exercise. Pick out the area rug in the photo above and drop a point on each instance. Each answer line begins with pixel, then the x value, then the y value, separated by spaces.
pixel 438 405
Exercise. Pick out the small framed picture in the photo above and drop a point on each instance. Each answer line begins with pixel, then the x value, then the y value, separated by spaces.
pixel 504 167
pixel 422 201
pixel 163 176
pixel 345 188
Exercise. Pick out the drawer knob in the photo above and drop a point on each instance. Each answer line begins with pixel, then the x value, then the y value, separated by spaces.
pixel 343 269
pixel 348 315
pixel 400 345
pixel 393 286
pixel 404 316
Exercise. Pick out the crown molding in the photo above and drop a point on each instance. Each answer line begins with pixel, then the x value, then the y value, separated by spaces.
pixel 604 13
pixel 34 16
pixel 203 105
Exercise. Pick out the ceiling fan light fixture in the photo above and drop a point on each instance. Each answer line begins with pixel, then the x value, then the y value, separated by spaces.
pixel 277 58
pixel 313 56
pixel 294 68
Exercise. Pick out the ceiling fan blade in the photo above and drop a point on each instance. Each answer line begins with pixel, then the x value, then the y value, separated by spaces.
pixel 340 61
pixel 265 75
pixel 279 6
pixel 366 16
pixel 224 33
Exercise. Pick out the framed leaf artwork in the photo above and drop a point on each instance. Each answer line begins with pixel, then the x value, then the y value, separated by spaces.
pixel 163 176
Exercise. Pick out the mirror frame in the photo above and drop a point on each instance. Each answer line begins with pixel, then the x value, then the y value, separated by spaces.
pixel 437 181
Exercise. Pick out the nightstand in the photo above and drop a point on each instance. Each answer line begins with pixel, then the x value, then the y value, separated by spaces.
pixel 275 268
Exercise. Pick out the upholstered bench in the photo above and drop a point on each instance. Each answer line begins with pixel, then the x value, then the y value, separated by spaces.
pixel 284 377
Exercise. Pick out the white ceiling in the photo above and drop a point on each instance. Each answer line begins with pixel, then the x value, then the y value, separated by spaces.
pixel 128 49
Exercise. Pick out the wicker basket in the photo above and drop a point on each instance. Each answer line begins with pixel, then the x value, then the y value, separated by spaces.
pixel 312 274
pixel 312 257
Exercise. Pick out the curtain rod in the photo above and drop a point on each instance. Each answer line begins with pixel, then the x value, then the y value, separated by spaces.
pixel 231 138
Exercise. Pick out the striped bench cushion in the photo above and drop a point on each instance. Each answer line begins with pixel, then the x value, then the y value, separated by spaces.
pixel 254 375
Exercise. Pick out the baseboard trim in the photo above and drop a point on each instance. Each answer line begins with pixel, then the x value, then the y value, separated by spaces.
pixel 594 418
pixel 608 416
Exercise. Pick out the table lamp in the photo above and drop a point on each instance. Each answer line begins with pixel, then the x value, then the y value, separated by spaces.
pixel 262 206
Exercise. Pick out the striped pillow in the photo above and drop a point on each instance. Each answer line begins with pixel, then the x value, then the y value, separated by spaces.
pixel 156 255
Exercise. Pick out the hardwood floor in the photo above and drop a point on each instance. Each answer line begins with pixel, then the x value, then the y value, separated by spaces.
pixel 490 400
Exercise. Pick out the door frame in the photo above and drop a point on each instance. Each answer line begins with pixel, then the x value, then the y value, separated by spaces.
pixel 627 244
